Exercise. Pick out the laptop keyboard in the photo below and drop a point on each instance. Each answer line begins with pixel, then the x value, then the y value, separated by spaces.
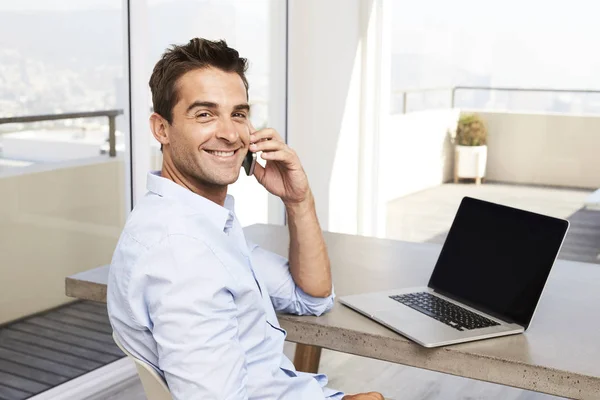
pixel 444 311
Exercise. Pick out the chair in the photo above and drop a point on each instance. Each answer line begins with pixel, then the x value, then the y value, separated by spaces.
pixel 153 384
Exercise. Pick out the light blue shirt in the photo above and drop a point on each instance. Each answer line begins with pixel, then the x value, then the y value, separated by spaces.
pixel 189 295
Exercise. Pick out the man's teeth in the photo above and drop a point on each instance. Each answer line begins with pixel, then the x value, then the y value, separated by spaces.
pixel 222 153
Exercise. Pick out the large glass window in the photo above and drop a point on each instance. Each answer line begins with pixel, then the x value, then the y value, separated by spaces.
pixel 62 182
pixel 523 70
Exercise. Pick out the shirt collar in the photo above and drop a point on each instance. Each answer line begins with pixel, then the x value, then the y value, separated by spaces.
pixel 222 217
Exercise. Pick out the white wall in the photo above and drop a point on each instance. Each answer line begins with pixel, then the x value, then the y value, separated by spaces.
pixel 56 221
pixel 543 149
pixel 324 113
pixel 415 153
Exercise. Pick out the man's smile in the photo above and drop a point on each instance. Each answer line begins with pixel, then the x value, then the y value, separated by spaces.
pixel 222 153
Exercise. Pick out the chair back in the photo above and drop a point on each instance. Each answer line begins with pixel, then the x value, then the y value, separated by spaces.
pixel 154 385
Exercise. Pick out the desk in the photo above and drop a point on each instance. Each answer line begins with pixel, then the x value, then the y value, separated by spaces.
pixel 559 354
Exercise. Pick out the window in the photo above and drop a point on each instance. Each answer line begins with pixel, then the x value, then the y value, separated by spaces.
pixel 63 184
pixel 533 87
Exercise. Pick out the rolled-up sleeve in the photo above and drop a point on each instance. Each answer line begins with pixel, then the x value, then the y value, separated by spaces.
pixel 285 295
pixel 193 321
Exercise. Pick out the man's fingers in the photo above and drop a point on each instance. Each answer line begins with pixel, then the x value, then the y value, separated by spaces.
pixel 279 155
pixel 268 145
pixel 364 396
pixel 265 134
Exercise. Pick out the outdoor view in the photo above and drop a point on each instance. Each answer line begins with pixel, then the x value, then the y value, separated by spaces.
pixel 513 44
pixel 535 135
pixel 73 61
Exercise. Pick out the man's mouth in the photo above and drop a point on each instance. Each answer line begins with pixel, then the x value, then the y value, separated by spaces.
pixel 221 153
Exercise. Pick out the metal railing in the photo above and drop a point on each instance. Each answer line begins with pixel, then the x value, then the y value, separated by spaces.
pixel 406 92
pixel 454 89
pixel 110 114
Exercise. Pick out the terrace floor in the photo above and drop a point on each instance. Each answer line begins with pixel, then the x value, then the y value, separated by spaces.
pixel 426 216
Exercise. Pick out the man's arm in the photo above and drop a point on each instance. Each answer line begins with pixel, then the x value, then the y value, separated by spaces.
pixel 309 261
pixel 284 177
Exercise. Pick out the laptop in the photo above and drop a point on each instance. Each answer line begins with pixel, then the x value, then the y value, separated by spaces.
pixel 487 281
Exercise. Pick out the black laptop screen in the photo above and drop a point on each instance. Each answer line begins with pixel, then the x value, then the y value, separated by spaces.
pixel 497 258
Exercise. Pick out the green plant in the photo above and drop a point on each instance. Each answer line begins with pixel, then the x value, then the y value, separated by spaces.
pixel 471 131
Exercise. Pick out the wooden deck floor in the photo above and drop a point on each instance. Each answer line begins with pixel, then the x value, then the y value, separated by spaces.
pixel 426 216
pixel 43 351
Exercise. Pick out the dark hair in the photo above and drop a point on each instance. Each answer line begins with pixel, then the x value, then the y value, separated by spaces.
pixel 178 60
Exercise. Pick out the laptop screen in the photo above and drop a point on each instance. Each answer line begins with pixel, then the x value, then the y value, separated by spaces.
pixel 497 259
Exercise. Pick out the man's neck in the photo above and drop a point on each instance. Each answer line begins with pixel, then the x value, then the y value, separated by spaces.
pixel 216 194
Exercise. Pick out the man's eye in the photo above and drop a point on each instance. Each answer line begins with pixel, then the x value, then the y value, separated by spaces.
pixel 239 115
pixel 203 115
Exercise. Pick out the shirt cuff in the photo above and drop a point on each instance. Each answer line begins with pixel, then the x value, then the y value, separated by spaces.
pixel 316 305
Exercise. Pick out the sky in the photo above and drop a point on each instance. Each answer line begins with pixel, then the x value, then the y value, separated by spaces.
pixel 527 43
pixel 58 5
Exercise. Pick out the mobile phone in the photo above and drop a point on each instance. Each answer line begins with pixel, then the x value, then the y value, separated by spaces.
pixel 249 163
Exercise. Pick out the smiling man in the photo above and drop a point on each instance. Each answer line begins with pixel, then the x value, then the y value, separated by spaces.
pixel 187 293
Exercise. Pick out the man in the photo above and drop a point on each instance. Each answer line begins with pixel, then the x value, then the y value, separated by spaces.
pixel 186 292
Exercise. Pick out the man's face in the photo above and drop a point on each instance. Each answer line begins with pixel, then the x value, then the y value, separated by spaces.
pixel 209 136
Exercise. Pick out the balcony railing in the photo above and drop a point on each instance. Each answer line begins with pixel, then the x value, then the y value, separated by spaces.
pixel 452 92
pixel 110 114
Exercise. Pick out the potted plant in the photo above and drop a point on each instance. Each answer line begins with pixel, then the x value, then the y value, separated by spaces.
pixel 471 148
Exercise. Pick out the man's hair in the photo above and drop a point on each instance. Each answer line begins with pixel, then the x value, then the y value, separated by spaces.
pixel 178 60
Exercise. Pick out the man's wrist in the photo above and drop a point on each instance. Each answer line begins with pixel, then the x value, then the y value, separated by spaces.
pixel 301 208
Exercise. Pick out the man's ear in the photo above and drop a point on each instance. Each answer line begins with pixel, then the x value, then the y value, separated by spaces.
pixel 160 128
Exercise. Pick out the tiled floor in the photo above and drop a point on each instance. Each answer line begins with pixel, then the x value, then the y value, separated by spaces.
pixel 426 216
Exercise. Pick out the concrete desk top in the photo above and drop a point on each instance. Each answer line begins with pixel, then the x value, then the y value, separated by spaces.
pixel 559 354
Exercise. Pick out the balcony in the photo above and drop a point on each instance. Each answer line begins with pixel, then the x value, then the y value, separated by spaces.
pixel 540 161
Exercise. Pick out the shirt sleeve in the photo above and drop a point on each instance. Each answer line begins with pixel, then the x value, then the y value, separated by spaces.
pixel 285 295
pixel 193 321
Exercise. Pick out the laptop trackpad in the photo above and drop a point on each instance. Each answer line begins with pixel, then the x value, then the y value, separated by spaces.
pixel 403 318
pixel 411 322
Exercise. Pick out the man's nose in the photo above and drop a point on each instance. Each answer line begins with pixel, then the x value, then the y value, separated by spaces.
pixel 228 131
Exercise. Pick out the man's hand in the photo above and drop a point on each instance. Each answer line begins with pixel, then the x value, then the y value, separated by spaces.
pixel 282 175
pixel 364 396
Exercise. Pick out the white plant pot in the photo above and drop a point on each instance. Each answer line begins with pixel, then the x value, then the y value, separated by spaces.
pixel 471 161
